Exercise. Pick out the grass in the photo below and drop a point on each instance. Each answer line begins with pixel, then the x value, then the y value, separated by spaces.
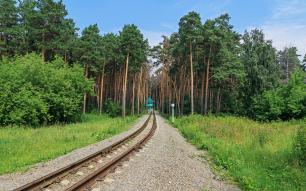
pixel 259 156
pixel 22 147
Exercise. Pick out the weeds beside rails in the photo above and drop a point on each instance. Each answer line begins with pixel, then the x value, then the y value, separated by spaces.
pixel 259 156
pixel 22 147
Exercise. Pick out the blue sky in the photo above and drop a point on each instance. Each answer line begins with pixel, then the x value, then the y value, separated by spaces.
pixel 283 21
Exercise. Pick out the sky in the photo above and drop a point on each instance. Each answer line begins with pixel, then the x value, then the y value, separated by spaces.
pixel 283 21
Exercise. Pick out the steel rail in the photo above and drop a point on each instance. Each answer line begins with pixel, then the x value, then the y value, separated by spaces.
pixel 100 173
pixel 55 176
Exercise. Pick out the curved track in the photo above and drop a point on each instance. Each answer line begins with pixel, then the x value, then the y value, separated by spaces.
pixel 85 172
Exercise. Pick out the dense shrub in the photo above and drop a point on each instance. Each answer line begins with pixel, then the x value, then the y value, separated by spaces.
pixel 112 109
pixel 286 102
pixel 33 92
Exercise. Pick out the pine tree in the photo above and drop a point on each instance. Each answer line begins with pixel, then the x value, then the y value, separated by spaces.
pixel 8 27
pixel 28 15
pixel 288 60
pixel 132 48
pixel 67 39
pixel 189 31
pixel 90 53
pixel 110 57
pixel 49 21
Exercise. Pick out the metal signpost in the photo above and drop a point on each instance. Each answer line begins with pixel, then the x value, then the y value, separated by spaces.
pixel 172 106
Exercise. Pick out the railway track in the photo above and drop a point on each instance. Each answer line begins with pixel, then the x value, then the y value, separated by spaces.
pixel 82 174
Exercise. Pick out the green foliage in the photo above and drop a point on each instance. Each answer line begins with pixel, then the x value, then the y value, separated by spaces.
pixel 35 26
pixel 113 109
pixel 299 146
pixel 259 156
pixel 289 61
pixel 268 106
pixel 8 27
pixel 111 45
pixel 286 102
pixel 304 64
pixel 22 147
pixel 50 25
pixel 227 70
pixel 89 49
pixel 262 71
pixel 35 93
pixel 190 28
pixel 132 43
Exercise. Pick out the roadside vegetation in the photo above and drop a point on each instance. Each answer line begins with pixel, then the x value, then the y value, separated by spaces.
pixel 36 93
pixel 23 146
pixel 259 156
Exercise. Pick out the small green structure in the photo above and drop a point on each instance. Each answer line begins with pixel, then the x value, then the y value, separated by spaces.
pixel 150 104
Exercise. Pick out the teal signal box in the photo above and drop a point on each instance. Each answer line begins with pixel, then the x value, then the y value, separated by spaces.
pixel 150 103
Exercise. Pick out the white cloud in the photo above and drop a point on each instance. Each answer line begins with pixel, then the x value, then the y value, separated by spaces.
pixel 284 35
pixel 289 9
pixel 287 26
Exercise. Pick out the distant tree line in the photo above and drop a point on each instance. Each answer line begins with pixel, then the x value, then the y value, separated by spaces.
pixel 117 63
pixel 210 68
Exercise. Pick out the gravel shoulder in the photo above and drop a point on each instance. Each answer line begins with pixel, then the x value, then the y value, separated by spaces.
pixel 15 180
pixel 167 162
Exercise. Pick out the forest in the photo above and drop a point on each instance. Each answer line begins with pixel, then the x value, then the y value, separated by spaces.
pixel 210 68
pixel 114 66
pixel 235 95
pixel 204 67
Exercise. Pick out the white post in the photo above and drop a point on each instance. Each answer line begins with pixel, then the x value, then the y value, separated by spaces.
pixel 172 106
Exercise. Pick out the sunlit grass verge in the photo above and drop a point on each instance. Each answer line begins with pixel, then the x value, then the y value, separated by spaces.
pixel 259 156
pixel 22 147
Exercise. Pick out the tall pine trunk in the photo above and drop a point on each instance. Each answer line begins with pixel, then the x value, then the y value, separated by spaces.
pixel 97 91
pixel 219 100
pixel 191 79
pixel 43 50
pixel 124 85
pixel 138 91
pixel 65 57
pixel 85 94
pixel 101 90
pixel 207 83
pixel 133 96
pixel 202 93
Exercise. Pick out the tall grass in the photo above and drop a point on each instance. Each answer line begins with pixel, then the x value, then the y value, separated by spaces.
pixel 259 156
pixel 22 147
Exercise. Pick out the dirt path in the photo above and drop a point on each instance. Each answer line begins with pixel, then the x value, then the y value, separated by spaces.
pixel 167 162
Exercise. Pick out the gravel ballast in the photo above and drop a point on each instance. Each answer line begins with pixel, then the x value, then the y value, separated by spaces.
pixel 15 180
pixel 167 162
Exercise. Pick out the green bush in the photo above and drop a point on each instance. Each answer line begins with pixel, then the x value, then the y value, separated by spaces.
pixel 112 109
pixel 286 102
pixel 299 146
pixel 269 106
pixel 33 92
